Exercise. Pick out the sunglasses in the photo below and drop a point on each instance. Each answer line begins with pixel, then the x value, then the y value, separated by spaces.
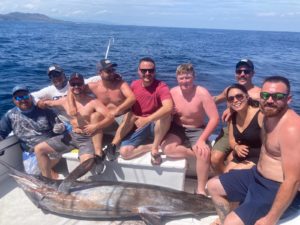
pixel 245 71
pixel 53 74
pixel 239 97
pixel 275 96
pixel 110 70
pixel 76 84
pixel 22 97
pixel 144 71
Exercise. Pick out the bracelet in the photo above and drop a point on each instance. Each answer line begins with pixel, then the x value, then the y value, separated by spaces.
pixel 235 146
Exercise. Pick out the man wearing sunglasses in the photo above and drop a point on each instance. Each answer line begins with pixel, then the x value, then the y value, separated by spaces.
pixel 117 96
pixel 244 72
pixel 58 89
pixel 86 135
pixel 151 114
pixel 270 190
pixel 31 124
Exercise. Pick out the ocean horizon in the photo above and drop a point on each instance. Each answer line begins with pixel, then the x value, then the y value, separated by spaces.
pixel 28 49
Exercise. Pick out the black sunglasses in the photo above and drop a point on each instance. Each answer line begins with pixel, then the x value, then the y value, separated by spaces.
pixel 144 71
pixel 245 71
pixel 239 97
pixel 76 84
pixel 275 96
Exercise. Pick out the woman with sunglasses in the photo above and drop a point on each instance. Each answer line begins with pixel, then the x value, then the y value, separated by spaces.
pixel 244 128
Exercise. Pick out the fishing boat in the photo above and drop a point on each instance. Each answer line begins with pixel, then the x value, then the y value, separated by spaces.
pixel 176 174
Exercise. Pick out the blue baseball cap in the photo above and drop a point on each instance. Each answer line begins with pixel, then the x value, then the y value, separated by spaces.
pixel 20 87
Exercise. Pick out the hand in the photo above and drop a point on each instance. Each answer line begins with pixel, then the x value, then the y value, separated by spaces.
pixel 41 104
pixel 141 122
pixel 58 127
pixel 265 221
pixel 90 129
pixel 241 150
pixel 202 149
pixel 226 115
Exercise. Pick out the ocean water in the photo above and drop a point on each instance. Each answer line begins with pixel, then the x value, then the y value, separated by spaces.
pixel 27 50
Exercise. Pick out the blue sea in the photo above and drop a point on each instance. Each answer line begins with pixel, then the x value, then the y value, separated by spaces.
pixel 27 50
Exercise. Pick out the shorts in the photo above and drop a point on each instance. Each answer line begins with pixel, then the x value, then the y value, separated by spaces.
pixel 69 141
pixel 188 135
pixel 222 142
pixel 140 136
pixel 60 143
pixel 254 192
pixel 111 129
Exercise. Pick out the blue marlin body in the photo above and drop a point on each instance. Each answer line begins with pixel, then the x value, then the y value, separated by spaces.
pixel 99 200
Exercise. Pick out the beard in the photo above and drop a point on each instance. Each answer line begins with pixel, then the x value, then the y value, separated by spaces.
pixel 272 110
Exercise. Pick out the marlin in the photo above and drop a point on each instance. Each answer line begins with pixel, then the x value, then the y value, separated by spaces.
pixel 104 200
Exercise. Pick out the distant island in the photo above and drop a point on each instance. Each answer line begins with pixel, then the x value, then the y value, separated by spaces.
pixel 28 17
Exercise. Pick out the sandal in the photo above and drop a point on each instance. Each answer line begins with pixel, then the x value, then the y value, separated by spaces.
pixel 156 159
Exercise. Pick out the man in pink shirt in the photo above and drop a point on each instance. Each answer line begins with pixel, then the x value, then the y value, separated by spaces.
pixel 150 115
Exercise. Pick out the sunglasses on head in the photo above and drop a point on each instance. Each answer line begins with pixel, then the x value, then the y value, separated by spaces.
pixel 275 96
pixel 76 84
pixel 245 71
pixel 22 97
pixel 238 97
pixel 144 71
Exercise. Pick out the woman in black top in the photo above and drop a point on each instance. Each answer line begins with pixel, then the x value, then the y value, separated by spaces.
pixel 244 129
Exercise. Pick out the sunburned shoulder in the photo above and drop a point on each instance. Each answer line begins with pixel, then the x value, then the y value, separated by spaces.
pixel 202 90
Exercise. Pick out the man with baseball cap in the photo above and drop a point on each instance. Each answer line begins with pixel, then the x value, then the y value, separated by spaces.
pixel 58 89
pixel 86 135
pixel 31 124
pixel 244 72
pixel 117 96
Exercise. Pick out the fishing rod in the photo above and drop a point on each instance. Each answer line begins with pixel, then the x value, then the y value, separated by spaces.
pixel 110 42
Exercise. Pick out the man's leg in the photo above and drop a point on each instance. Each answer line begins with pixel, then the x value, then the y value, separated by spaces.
pixel 218 194
pixel 160 130
pixel 41 151
pixel 124 128
pixel 97 138
pixel 220 151
pixel 133 146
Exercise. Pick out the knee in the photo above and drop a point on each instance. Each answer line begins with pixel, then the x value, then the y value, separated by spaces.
pixel 212 186
pixel 216 158
pixel 96 116
pixel 125 152
pixel 168 148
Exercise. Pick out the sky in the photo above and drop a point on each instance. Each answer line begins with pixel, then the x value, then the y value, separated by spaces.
pixel 267 15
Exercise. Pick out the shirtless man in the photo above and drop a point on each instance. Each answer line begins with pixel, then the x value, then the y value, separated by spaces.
pixel 244 73
pixel 266 191
pixel 116 95
pixel 82 127
pixel 188 134
pixel 151 114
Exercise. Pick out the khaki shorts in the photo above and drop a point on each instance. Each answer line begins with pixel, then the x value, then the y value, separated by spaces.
pixel 222 142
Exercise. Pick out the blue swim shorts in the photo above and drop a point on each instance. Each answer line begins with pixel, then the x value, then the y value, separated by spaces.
pixel 139 136
pixel 254 192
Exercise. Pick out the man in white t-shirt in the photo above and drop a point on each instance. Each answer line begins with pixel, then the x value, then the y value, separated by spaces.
pixel 58 89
